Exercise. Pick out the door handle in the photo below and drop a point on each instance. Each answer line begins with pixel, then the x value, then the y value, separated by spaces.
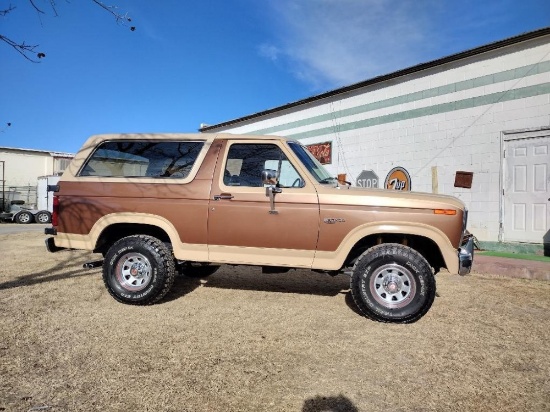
pixel 223 196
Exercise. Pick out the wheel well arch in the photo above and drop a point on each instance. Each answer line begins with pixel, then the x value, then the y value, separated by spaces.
pixel 427 247
pixel 117 231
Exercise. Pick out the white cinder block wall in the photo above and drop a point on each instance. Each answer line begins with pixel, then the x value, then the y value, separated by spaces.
pixel 23 167
pixel 448 117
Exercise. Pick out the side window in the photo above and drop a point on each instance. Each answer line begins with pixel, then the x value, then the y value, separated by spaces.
pixel 142 159
pixel 246 161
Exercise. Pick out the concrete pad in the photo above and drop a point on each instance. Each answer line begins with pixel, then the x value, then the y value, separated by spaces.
pixel 515 268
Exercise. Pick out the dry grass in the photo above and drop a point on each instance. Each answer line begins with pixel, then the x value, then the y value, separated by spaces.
pixel 243 341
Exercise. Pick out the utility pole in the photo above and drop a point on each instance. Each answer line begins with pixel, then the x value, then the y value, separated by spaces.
pixel 3 185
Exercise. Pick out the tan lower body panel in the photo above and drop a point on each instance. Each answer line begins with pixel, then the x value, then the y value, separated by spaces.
pixel 261 256
pixel 182 251
pixel 325 260
pixel 218 254
pixel 250 256
pixel 333 260
pixel 71 241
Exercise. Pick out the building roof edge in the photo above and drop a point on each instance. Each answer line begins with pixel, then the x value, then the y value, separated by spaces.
pixel 51 153
pixel 379 79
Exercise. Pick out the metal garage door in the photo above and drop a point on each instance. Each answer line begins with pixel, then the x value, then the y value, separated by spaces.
pixel 526 187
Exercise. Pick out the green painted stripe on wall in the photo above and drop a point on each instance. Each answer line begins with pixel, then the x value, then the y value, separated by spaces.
pixel 472 102
pixel 513 74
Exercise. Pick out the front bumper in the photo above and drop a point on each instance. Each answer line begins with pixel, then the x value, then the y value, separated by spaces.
pixel 466 255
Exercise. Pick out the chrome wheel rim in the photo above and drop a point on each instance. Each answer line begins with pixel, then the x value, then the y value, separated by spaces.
pixel 42 218
pixel 133 271
pixel 24 217
pixel 393 286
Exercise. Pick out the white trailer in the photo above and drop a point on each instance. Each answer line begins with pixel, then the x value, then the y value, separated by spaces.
pixel 44 198
pixel 41 212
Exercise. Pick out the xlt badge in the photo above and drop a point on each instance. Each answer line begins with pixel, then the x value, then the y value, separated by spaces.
pixel 332 220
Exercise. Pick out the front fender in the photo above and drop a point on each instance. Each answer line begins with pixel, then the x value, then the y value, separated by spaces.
pixel 334 260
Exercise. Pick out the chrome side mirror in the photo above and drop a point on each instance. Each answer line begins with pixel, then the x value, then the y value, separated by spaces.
pixel 269 177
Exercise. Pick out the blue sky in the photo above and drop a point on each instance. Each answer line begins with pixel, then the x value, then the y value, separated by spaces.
pixel 209 61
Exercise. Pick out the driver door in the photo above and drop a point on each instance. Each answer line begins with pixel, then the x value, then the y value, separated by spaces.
pixel 242 226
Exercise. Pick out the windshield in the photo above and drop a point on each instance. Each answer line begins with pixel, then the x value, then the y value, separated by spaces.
pixel 311 163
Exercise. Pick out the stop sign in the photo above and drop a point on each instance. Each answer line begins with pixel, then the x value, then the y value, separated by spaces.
pixel 367 178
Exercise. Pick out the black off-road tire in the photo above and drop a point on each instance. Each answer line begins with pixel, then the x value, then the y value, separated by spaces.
pixel 197 271
pixel 138 270
pixel 392 283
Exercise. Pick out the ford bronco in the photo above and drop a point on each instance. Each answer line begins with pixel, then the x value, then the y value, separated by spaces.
pixel 157 204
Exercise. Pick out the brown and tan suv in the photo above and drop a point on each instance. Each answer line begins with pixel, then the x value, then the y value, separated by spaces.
pixel 155 204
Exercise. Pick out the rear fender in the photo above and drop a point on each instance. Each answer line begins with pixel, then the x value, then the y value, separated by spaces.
pixel 183 251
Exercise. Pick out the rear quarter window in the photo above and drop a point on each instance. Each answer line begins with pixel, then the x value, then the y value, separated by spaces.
pixel 172 160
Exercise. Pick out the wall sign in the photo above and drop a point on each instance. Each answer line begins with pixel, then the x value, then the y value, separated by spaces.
pixel 398 179
pixel 322 152
pixel 367 178
pixel 464 179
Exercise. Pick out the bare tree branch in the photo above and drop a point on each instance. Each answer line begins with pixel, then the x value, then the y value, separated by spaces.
pixel 27 50
pixel 6 11
pixel 54 8
pixel 23 49
pixel 35 7
pixel 112 9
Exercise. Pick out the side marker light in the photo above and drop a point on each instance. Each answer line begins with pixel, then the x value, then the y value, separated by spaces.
pixel 448 212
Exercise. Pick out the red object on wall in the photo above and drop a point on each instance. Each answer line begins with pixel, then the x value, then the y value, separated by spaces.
pixel 322 152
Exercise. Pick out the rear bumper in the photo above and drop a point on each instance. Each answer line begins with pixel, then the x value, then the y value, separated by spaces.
pixel 51 247
pixel 50 231
pixel 466 256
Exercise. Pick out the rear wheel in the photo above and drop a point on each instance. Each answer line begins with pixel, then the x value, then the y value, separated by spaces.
pixel 43 217
pixel 23 217
pixel 138 270
pixel 393 283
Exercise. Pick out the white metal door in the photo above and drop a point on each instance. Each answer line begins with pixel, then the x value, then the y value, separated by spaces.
pixel 526 189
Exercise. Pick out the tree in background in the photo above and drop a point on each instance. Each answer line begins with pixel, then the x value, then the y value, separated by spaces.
pixel 29 51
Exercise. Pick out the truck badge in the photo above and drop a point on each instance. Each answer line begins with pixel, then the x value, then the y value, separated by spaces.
pixel 333 220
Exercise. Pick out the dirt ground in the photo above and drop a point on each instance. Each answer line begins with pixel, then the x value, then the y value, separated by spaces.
pixel 246 341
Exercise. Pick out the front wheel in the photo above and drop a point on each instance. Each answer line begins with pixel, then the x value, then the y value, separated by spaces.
pixel 392 283
pixel 138 270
